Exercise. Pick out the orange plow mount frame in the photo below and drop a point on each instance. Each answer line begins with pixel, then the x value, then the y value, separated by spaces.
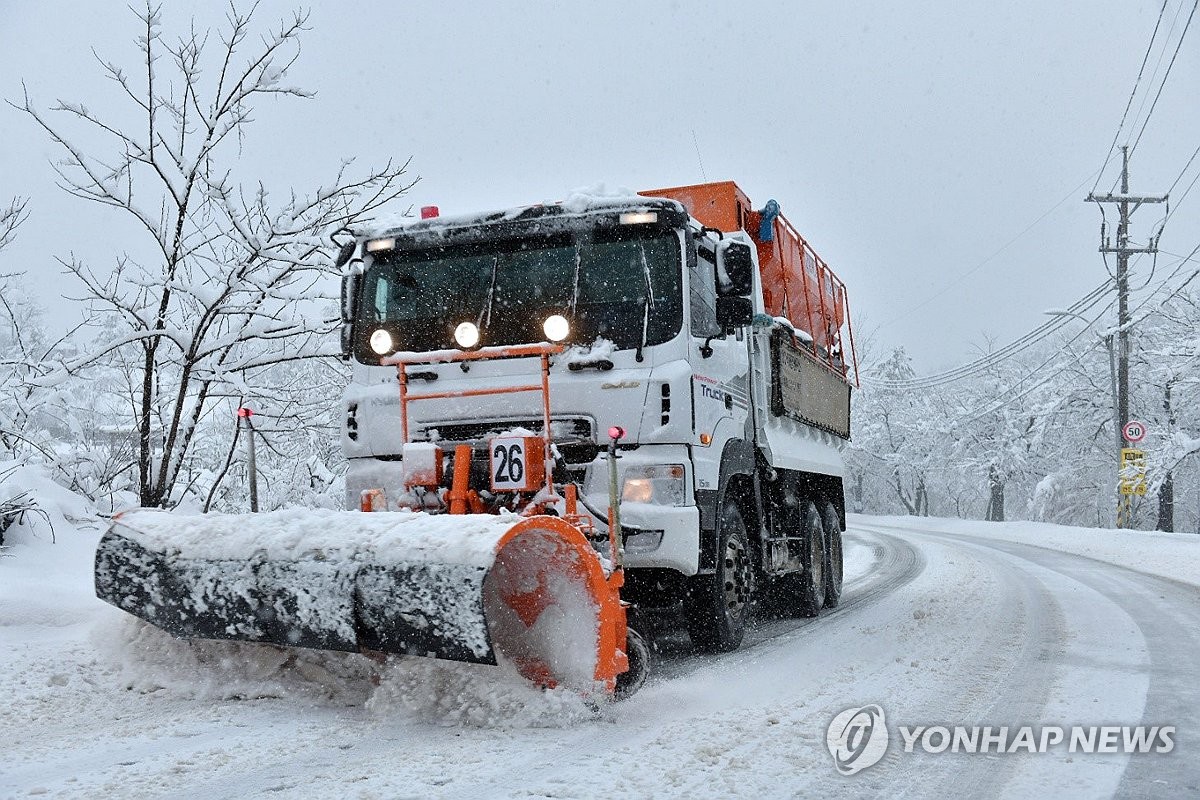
pixel 531 598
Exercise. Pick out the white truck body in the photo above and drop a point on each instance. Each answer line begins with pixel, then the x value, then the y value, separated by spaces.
pixel 697 400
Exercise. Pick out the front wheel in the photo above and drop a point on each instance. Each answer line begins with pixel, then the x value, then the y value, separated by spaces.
pixel 718 605
pixel 639 665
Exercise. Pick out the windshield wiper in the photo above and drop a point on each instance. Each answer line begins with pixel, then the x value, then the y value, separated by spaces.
pixel 647 302
pixel 575 279
pixel 485 313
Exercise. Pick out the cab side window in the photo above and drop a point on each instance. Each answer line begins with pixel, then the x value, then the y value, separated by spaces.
pixel 704 290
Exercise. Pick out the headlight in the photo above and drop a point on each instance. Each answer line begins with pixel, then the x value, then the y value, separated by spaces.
pixel 467 335
pixel 660 484
pixel 381 342
pixel 556 327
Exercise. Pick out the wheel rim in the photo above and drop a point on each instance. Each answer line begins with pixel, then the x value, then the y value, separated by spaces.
pixel 737 577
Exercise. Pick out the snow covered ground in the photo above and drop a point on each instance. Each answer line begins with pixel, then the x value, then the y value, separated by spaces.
pixel 943 622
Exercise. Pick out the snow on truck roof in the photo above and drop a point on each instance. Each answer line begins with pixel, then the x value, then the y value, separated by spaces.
pixel 578 203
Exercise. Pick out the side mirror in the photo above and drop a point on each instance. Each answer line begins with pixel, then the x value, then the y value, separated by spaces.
pixel 349 296
pixel 734 312
pixel 344 254
pixel 735 268
pixel 349 301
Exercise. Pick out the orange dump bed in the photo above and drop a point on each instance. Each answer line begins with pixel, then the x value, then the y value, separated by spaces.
pixel 797 284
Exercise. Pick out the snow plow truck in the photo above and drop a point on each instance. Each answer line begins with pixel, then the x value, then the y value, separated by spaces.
pixel 558 413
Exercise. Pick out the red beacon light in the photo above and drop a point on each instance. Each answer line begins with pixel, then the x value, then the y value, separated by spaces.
pixel 245 412
pixel 616 432
pixel 429 212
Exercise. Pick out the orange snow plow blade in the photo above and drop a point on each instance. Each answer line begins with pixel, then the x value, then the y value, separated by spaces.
pixel 527 592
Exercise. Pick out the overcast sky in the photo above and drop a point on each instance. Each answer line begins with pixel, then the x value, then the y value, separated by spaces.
pixel 910 142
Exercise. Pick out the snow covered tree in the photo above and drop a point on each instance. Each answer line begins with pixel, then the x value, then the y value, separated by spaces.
pixel 225 278
pixel 893 442
pixel 11 217
pixel 20 342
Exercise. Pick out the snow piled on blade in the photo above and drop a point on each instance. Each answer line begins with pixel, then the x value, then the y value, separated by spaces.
pixel 469 540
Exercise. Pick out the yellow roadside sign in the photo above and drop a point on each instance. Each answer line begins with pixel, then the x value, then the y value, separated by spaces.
pixel 1133 471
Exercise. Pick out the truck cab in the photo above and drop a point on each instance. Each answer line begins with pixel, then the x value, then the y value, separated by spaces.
pixel 734 417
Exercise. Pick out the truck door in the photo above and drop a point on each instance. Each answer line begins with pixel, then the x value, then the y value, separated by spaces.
pixel 720 390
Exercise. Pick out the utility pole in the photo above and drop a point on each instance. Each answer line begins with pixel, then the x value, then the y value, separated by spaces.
pixel 1124 201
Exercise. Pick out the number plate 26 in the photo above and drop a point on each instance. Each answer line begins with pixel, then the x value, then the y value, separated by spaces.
pixel 517 463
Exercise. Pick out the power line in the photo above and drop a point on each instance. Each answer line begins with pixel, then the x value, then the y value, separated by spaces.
pixel 1116 136
pixel 908 311
pixel 1030 338
pixel 996 407
pixel 1018 345
pixel 1166 75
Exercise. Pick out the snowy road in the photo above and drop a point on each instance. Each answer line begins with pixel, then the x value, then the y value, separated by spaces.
pixel 942 623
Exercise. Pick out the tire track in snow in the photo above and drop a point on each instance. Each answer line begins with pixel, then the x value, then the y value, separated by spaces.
pixel 895 564
pixel 1015 690
pixel 1168 614
pixel 1099 598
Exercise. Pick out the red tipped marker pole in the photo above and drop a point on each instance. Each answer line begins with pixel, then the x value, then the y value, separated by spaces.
pixel 244 414
pixel 615 434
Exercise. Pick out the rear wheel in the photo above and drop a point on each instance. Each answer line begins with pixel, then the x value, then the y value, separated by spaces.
pixel 833 555
pixel 718 605
pixel 811 582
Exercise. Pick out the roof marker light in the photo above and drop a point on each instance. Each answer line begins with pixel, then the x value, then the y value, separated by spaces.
pixel 638 217
pixel 375 245
pixel 429 212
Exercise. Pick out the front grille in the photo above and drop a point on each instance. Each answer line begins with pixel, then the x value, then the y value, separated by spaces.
pixel 574 436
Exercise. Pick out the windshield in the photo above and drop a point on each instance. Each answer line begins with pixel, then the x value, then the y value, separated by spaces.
pixel 618 283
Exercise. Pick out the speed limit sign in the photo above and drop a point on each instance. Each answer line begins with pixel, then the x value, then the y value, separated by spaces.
pixel 1134 431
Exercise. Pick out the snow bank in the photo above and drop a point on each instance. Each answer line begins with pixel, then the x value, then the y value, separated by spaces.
pixel 56 506
pixel 1169 555
pixel 46 560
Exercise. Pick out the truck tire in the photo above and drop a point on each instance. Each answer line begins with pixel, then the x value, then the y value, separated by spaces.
pixel 634 678
pixel 718 605
pixel 833 555
pixel 810 584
